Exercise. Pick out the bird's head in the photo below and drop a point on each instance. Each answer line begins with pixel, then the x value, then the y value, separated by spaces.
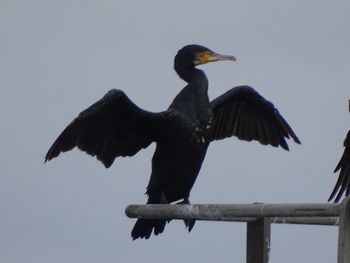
pixel 196 55
pixel 193 55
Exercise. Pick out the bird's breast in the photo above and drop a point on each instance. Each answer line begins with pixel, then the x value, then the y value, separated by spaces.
pixel 190 131
pixel 200 133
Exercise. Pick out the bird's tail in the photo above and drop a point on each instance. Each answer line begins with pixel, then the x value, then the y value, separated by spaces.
pixel 143 228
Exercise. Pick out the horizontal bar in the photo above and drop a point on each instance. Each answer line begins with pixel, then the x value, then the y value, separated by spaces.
pixel 234 212
pixel 331 221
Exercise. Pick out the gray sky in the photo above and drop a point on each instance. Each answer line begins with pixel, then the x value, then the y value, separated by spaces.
pixel 58 57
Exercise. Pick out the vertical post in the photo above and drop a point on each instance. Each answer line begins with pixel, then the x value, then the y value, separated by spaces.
pixel 344 232
pixel 258 240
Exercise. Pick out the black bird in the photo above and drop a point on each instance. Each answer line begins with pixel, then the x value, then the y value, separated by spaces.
pixel 343 182
pixel 114 126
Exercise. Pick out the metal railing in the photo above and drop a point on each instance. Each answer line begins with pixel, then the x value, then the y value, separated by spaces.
pixel 259 217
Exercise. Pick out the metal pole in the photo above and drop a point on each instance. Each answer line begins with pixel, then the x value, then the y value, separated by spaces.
pixel 344 232
pixel 315 220
pixel 258 241
pixel 259 218
pixel 228 212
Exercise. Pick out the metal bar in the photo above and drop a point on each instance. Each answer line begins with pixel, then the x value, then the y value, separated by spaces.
pixel 259 218
pixel 344 232
pixel 258 241
pixel 230 212
pixel 330 221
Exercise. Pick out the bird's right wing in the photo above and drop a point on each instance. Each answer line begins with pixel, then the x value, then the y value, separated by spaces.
pixel 113 126
pixel 244 113
pixel 343 182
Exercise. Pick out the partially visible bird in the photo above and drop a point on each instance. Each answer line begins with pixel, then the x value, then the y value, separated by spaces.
pixel 343 183
pixel 114 126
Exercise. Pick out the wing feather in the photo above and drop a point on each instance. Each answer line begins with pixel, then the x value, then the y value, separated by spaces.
pixel 113 126
pixel 244 113
pixel 343 183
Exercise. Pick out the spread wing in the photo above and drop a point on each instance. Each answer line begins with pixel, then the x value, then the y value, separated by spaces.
pixel 244 113
pixel 113 126
pixel 343 182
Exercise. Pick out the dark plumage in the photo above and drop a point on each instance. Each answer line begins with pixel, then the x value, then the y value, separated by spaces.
pixel 343 182
pixel 114 126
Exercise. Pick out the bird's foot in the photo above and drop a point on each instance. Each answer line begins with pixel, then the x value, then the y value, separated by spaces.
pixel 189 223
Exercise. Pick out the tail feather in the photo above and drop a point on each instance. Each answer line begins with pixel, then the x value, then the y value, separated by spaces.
pixel 143 228
pixel 189 223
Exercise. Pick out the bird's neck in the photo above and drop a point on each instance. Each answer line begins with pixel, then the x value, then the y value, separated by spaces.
pixel 192 75
pixel 194 97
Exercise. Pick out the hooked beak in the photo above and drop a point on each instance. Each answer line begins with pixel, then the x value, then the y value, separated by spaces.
pixel 209 56
pixel 217 57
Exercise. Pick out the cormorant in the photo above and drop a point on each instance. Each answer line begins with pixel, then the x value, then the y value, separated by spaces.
pixel 114 126
pixel 343 182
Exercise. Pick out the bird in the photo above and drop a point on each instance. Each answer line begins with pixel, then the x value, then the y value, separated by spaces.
pixel 116 127
pixel 343 183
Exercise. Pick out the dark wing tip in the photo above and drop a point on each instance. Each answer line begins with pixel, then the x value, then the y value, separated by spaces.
pixel 334 192
pixel 343 183
pixel 339 195
pixel 46 159
pixel 337 168
pixel 295 138
pixel 65 141
pixel 286 127
pixel 51 153
pixel 284 145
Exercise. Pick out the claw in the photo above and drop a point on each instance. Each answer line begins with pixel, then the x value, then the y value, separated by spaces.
pixel 189 223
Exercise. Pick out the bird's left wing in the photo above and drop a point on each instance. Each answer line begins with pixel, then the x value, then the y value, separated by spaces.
pixel 244 113
pixel 113 126
pixel 343 182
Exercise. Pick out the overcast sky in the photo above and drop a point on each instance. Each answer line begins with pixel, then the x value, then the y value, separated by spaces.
pixel 58 57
